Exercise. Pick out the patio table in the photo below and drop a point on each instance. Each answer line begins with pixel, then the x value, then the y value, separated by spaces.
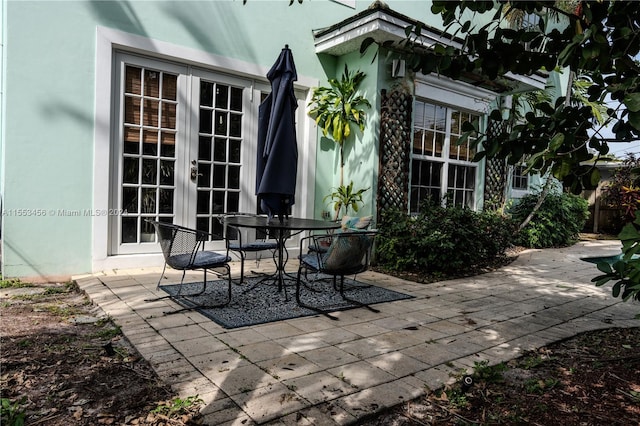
pixel 281 230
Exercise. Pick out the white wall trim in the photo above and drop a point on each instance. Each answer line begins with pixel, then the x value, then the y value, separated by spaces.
pixel 108 41
pixel 445 91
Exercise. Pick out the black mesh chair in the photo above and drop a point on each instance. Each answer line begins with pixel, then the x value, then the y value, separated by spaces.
pixel 183 249
pixel 238 241
pixel 349 253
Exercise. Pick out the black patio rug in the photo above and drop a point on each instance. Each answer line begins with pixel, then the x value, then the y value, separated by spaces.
pixel 258 303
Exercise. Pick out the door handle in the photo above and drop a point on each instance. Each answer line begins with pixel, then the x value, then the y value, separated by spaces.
pixel 194 173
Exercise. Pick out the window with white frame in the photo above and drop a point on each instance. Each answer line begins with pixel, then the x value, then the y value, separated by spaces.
pixel 519 178
pixel 440 165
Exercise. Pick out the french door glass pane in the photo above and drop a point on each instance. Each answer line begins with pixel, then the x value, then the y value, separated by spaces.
pixel 148 155
pixel 219 145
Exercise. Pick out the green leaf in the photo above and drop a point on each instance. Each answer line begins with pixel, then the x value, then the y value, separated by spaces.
pixel 632 101
pixel 366 43
pixel 467 126
pixel 604 267
pixel 556 141
pixel 595 176
pixel 634 120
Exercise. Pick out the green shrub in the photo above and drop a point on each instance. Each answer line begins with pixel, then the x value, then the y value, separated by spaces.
pixel 441 239
pixel 556 223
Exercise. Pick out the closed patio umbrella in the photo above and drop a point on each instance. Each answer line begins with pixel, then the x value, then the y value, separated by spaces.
pixel 277 162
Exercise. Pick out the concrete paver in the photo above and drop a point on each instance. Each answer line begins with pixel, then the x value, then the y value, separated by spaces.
pixel 316 371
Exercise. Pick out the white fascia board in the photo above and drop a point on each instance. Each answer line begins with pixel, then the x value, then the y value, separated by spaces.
pixel 534 81
pixel 444 90
pixel 381 27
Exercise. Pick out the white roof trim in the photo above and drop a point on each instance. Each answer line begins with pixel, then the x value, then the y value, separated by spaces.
pixel 457 94
pixel 384 26
pixel 380 25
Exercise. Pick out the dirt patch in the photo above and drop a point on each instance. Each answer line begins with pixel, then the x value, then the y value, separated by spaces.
pixel 65 364
pixel 590 379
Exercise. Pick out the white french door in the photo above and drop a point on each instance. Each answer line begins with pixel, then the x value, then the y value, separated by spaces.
pixel 179 147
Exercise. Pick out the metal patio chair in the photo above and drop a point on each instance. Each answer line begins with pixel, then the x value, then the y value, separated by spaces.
pixel 183 250
pixel 349 253
pixel 238 241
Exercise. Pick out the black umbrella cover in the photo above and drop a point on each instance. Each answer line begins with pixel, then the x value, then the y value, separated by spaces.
pixel 277 162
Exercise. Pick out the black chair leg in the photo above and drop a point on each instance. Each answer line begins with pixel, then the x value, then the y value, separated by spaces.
pixel 196 306
pixel 355 302
pixel 303 305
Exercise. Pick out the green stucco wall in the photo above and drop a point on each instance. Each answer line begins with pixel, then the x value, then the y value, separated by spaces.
pixel 50 51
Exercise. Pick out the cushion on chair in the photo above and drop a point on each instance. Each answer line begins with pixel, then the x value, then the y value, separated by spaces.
pixel 351 222
pixel 255 246
pixel 310 260
pixel 346 253
pixel 203 259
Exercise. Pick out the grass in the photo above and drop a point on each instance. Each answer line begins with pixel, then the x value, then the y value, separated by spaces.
pixel 177 406
pixel 14 283
pixel 12 413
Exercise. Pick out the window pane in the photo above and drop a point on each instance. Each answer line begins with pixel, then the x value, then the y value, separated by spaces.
pixel 133 80
pixel 150 142
pixel 455 122
pixel 168 147
pixel 219 176
pixel 418 115
pixel 130 170
pixel 148 200
pixel 440 118
pixel 220 150
pixel 234 177
pixel 130 199
pixel 217 204
pixel 131 110
pixel 202 224
pixel 222 96
pixel 149 171
pixel 204 175
pixel 166 201
pixel 168 115
pixel 129 230
pixel 202 204
pixel 150 113
pixel 204 148
pixel 439 143
pixel 429 116
pixel 236 99
pixel 206 125
pixel 206 93
pixel 234 151
pixel 167 172
pixel 417 142
pixel 151 84
pixel 131 140
pixel 233 201
pixel 221 123
pixel 169 87
pixel 235 128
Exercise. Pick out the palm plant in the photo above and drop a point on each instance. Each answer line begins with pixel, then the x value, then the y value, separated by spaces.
pixel 345 196
pixel 337 107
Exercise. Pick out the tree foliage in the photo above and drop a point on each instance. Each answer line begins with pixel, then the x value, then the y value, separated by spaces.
pixel 596 39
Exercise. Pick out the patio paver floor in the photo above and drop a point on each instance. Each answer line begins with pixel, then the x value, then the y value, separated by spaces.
pixel 313 370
